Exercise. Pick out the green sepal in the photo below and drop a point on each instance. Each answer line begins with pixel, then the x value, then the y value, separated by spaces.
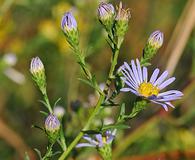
pixel 105 151
pixel 72 37
pixel 139 105
pixel 53 135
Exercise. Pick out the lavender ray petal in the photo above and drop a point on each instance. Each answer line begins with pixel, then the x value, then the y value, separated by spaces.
pixel 162 104
pixel 125 89
pixel 161 78
pixel 131 90
pixel 154 75
pixel 166 99
pixel 171 92
pixel 90 140
pixel 99 139
pixel 129 77
pixel 129 83
pixel 85 145
pixel 166 83
pixel 145 74
pixel 110 139
pixel 169 103
pixel 134 68
pixel 139 71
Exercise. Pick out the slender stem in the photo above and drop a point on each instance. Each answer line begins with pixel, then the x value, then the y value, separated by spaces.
pixel 62 139
pixel 48 153
pixel 80 135
pixel 98 105
pixel 47 102
pixel 111 73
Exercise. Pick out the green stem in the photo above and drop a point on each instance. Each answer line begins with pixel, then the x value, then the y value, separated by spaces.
pixel 62 139
pixel 48 154
pixel 100 101
pixel 111 73
pixel 47 103
pixel 97 108
pixel 86 127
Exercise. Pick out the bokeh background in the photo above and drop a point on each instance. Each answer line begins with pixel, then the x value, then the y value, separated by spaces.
pixel 31 28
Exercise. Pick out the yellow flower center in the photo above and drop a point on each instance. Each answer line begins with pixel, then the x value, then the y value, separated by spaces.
pixel 104 140
pixel 147 89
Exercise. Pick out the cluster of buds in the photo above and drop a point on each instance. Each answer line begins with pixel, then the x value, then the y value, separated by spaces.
pixel 154 42
pixel 69 27
pixel 114 22
pixel 52 128
pixel 38 73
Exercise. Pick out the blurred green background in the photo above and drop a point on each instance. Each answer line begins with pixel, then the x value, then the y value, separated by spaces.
pixel 31 28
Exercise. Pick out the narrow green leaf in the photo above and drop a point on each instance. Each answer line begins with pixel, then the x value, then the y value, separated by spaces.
pixel 38 153
pixel 44 113
pixel 115 126
pixel 87 82
pixel 57 101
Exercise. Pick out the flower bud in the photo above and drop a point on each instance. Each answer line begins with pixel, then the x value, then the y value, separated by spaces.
pixel 38 73
pixel 69 27
pixel 156 39
pixel 122 14
pixel 52 127
pixel 106 13
pixel 154 42
pixel 121 24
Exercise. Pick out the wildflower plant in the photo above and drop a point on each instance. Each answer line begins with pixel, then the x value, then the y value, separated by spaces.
pixel 130 77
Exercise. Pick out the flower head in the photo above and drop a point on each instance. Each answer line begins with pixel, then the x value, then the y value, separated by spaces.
pixel 38 73
pixel 99 141
pixel 136 78
pixel 36 66
pixel 106 11
pixel 121 24
pixel 52 123
pixel 123 14
pixel 68 22
pixel 52 127
pixel 69 27
pixel 106 14
pixel 156 39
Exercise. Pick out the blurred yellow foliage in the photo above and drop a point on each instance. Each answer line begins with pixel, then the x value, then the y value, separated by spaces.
pixel 49 29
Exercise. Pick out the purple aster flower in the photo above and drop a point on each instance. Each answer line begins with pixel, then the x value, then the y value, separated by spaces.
pixel 136 78
pixel 68 22
pixel 99 140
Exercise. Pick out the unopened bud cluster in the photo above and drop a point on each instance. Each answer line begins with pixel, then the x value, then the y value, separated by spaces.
pixel 154 42
pixel 52 127
pixel 115 22
pixel 38 73
pixel 69 27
